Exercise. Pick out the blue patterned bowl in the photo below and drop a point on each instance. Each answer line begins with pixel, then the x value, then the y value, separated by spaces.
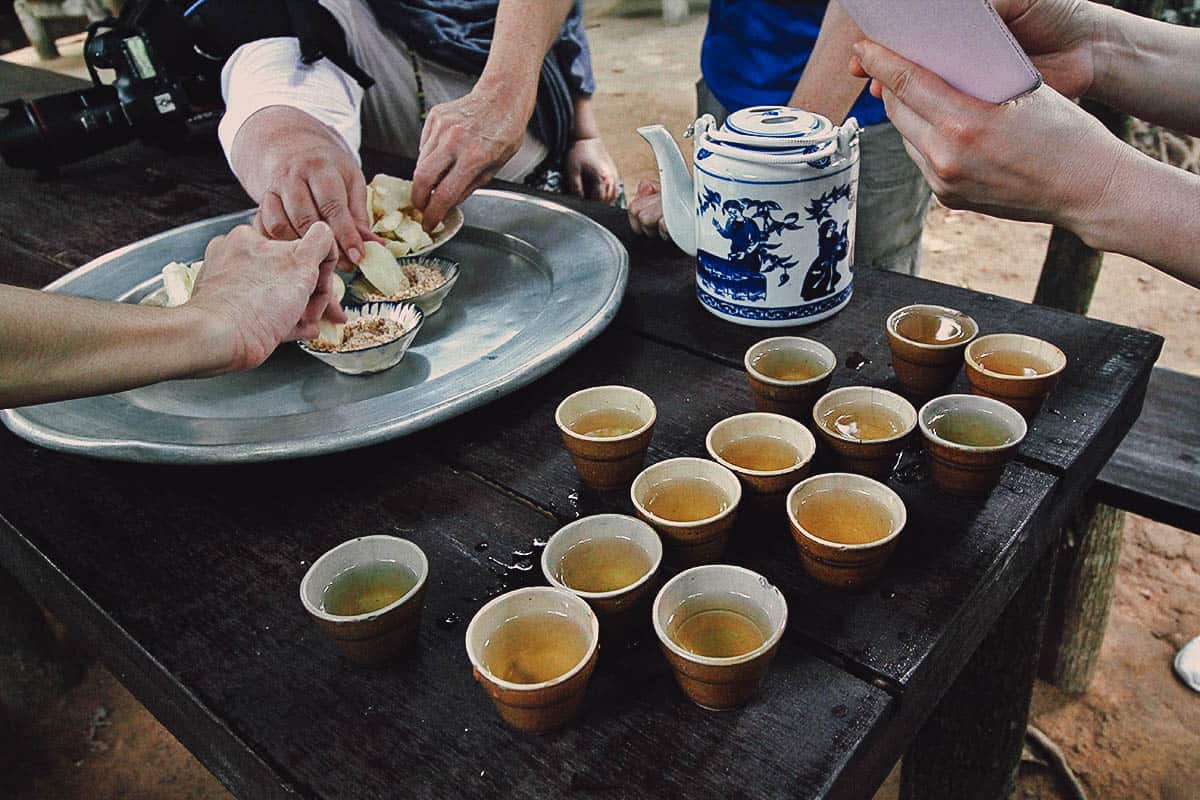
pixel 381 356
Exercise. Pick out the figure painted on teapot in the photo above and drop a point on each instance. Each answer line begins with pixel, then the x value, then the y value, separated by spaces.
pixel 768 213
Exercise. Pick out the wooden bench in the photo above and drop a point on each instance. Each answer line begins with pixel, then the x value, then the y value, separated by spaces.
pixel 1156 471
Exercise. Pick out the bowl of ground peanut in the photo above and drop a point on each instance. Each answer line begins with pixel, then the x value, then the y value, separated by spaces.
pixel 424 280
pixel 373 338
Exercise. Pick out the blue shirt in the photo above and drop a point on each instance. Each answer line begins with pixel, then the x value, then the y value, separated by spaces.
pixel 755 50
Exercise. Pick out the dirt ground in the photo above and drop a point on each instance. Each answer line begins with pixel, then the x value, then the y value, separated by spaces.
pixel 1136 732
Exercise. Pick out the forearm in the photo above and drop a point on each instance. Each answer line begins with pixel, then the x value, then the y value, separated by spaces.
pixel 524 31
pixel 586 126
pixel 1148 211
pixel 1148 68
pixel 826 87
pixel 57 347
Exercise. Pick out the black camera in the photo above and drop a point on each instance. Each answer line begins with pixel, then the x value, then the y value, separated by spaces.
pixel 166 56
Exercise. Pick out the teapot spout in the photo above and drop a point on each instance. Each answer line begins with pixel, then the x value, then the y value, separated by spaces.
pixel 678 202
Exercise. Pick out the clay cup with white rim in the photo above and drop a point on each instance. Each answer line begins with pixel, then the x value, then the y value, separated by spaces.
pixel 700 541
pixel 607 462
pixel 719 683
pixel 378 636
pixel 1024 392
pixel 833 563
pixel 581 532
pixel 874 456
pixel 544 706
pixel 960 463
pixel 927 343
pixel 790 397
pixel 763 424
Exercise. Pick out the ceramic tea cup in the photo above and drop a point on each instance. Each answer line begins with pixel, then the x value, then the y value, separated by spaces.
pixel 374 637
pixel 790 396
pixel 694 537
pixel 573 555
pixel 927 344
pixel 865 427
pixel 969 439
pixel 748 430
pixel 1015 369
pixel 718 682
pixel 545 705
pixel 607 461
pixel 834 558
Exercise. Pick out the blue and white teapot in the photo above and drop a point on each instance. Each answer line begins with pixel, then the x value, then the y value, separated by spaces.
pixel 769 212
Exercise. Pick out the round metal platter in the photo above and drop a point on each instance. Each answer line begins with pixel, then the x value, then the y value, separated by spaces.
pixel 538 282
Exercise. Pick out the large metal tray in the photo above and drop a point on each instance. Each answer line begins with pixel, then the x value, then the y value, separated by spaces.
pixel 538 282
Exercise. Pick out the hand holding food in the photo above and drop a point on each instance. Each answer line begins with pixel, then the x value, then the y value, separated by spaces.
pixel 300 172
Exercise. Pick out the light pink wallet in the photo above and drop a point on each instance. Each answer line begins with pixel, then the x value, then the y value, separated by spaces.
pixel 963 41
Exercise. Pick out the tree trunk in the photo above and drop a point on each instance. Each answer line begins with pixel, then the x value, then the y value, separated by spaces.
pixel 1084 582
pixel 970 748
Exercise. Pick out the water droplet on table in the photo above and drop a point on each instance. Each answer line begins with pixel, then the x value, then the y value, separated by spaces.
pixel 521 553
pixel 481 546
pixel 856 360
pixel 911 472
pixel 449 621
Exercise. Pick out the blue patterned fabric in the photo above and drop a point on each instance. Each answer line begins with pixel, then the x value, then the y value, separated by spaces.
pixel 755 50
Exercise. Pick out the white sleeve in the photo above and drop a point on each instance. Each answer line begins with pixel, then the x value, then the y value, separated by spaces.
pixel 269 72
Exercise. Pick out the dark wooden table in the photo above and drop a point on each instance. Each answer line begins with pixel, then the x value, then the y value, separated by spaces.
pixel 184 580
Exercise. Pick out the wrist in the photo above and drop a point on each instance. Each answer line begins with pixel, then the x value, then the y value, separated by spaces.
pixel 514 88
pixel 202 342
pixel 1097 213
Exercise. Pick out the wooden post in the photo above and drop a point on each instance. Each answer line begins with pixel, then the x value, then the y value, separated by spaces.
pixel 970 748
pixel 35 29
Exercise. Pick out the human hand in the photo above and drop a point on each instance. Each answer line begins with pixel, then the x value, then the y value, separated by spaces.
pixel 464 144
pixel 257 293
pixel 300 172
pixel 1038 157
pixel 590 171
pixel 1059 36
pixel 645 211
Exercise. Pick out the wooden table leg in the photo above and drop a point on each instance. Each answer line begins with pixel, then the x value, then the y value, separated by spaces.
pixel 969 749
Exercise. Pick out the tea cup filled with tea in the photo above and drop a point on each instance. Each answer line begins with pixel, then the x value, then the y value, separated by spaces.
pixel 606 429
pixel 927 344
pixel 1015 369
pixel 533 650
pixel 609 560
pixel 719 627
pixel 845 527
pixel 367 595
pixel 770 453
pixel 865 427
pixel 969 439
pixel 788 373
pixel 692 503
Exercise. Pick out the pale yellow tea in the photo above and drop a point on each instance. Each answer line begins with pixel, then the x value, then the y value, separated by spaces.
pixel 366 588
pixel 761 453
pixel 603 565
pixel 1013 362
pixel 607 423
pixel 534 648
pixel 844 516
pixel 789 364
pixel 972 427
pixel 718 627
pixel 686 499
pixel 862 421
pixel 931 327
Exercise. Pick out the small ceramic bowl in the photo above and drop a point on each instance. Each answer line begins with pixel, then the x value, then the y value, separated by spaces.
pixel 382 356
pixel 873 457
pixel 636 533
pixel 606 462
pixel 534 707
pixel 376 637
pixel 845 566
pixel 719 683
pixel 689 543
pixel 964 469
pixel 775 426
pixel 1025 393
pixel 431 301
pixel 923 366
pixel 790 398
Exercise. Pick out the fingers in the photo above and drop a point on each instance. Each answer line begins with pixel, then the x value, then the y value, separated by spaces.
pixel 432 165
pixel 918 88
pixel 329 192
pixel 316 253
pixel 645 211
pixel 273 219
pixel 455 187
pixel 300 206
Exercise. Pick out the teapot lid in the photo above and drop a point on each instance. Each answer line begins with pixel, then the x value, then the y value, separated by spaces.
pixel 774 127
